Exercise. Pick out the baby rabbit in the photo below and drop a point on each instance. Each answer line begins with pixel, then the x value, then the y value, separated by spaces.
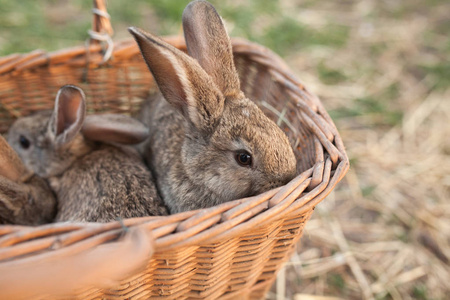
pixel 25 199
pixel 208 143
pixel 93 181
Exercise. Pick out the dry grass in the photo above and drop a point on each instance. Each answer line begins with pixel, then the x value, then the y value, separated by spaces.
pixel 385 231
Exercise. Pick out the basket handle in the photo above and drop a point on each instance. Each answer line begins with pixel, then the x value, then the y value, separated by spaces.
pixel 55 275
pixel 101 28
pixel 101 19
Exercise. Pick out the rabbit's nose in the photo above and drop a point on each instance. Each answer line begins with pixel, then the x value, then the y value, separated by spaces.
pixel 273 184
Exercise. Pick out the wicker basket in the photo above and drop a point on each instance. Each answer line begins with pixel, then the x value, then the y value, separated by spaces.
pixel 227 251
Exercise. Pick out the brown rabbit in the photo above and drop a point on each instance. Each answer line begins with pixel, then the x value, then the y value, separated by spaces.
pixel 208 143
pixel 93 181
pixel 25 199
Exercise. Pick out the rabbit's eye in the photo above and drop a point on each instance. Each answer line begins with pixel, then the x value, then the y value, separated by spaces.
pixel 24 142
pixel 243 158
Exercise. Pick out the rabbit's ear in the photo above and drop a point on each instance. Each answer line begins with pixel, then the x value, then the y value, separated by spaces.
pixel 181 80
pixel 208 42
pixel 114 128
pixel 68 115
pixel 11 166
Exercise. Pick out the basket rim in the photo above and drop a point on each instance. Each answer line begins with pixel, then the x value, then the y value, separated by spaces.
pixel 209 225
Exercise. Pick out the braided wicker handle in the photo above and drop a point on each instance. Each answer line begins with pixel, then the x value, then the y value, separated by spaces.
pixel 101 21
pixel 64 272
pixel 101 29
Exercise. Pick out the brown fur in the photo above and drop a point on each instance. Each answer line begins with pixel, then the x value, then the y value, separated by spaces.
pixel 25 199
pixel 195 134
pixel 93 181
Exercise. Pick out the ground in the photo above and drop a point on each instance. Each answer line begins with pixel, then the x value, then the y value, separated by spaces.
pixel 382 70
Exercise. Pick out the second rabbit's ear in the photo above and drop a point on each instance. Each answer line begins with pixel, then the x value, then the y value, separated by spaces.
pixel 114 128
pixel 68 115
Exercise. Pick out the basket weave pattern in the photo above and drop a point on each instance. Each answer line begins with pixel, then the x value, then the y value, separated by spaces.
pixel 234 249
